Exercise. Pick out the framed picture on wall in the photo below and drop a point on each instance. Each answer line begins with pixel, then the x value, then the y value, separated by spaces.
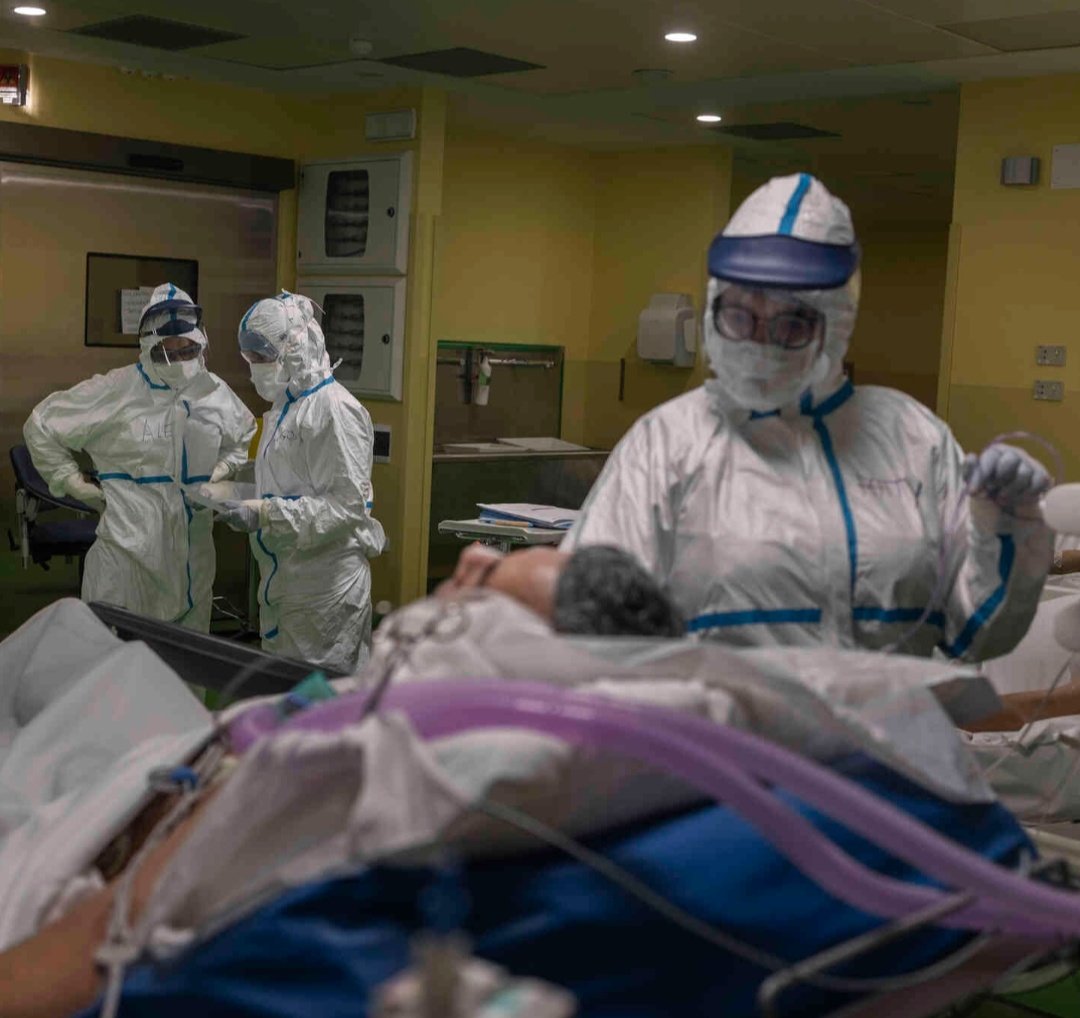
pixel 118 288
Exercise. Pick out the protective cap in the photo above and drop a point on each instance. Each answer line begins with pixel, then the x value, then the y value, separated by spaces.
pixel 285 326
pixel 790 234
pixel 171 312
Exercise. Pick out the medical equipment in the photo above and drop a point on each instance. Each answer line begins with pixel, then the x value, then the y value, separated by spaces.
pixel 710 757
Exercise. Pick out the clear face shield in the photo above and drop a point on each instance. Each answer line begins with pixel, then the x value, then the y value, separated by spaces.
pixel 175 350
pixel 170 333
pixel 255 348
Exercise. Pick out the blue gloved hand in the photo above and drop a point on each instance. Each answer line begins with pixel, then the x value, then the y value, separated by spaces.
pixel 1005 474
pixel 243 516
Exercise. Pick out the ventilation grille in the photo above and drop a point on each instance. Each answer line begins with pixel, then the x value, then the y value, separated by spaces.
pixel 781 130
pixel 157 33
pixel 462 62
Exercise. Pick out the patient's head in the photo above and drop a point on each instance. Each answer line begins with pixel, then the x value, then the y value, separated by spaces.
pixel 598 590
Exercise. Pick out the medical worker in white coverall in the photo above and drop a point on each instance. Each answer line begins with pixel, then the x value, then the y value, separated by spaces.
pixel 153 430
pixel 311 527
pixel 779 504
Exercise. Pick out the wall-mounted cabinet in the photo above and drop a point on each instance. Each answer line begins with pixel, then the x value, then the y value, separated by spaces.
pixel 364 324
pixel 354 216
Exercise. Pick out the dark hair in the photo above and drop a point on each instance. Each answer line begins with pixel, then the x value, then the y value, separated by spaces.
pixel 604 591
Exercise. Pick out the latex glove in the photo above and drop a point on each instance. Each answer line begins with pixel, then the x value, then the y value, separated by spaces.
pixel 1005 474
pixel 220 472
pixel 243 516
pixel 82 490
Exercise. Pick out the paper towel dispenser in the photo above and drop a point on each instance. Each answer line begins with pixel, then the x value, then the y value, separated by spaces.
pixel 667 330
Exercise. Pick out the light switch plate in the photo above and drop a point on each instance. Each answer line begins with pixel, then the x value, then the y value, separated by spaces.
pixel 1050 355
pixel 1049 390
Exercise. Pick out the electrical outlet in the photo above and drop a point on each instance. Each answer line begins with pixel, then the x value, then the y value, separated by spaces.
pixel 1049 390
pixel 1050 355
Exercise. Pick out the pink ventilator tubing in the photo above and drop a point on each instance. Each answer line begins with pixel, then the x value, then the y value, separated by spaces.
pixel 729 766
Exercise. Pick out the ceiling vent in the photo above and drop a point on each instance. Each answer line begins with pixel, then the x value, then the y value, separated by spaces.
pixel 461 62
pixel 781 130
pixel 157 33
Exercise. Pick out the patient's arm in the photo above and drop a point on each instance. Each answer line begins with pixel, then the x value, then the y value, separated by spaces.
pixel 53 974
pixel 1070 563
pixel 1034 705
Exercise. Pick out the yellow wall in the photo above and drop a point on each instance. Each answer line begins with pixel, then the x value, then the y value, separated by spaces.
pixel 544 244
pixel 656 213
pixel 515 248
pixel 1014 266
pixel 897 340
pixel 103 99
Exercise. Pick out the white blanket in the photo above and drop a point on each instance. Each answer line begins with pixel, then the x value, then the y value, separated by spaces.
pixel 84 717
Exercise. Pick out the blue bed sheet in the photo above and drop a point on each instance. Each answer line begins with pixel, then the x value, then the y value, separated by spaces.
pixel 320 950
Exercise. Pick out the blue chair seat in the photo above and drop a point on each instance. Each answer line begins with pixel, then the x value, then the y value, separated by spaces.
pixel 62 537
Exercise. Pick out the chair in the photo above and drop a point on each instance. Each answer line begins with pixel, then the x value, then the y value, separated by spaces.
pixel 39 542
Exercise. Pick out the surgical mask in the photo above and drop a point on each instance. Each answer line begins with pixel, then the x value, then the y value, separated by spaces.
pixel 269 380
pixel 760 376
pixel 179 374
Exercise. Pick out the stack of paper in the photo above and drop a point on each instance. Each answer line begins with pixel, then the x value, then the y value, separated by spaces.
pixel 549 516
pixel 544 445
pixel 479 447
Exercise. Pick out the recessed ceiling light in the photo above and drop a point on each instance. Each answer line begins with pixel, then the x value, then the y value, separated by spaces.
pixel 681 37
pixel 30 12
pixel 709 118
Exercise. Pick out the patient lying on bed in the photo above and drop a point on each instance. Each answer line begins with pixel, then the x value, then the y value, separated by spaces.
pixel 901 711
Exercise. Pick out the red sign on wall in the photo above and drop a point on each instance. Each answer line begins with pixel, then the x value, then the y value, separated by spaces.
pixel 13 79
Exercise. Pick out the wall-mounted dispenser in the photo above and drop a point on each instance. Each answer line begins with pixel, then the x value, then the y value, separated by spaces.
pixel 667 330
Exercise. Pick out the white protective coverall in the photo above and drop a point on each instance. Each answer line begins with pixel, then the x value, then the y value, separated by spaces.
pixel 149 442
pixel 829 516
pixel 313 474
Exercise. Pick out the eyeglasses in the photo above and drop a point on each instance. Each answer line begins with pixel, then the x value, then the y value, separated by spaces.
pixel 792 330
pixel 161 354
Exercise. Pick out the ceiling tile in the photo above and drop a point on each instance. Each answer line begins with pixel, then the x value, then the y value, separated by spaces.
pixel 1029 32
pixel 284 53
pixel 848 30
pixel 944 12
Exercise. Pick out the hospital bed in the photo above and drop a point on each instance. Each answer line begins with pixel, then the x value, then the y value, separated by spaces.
pixel 584 915
pixel 212 662
pixel 546 914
